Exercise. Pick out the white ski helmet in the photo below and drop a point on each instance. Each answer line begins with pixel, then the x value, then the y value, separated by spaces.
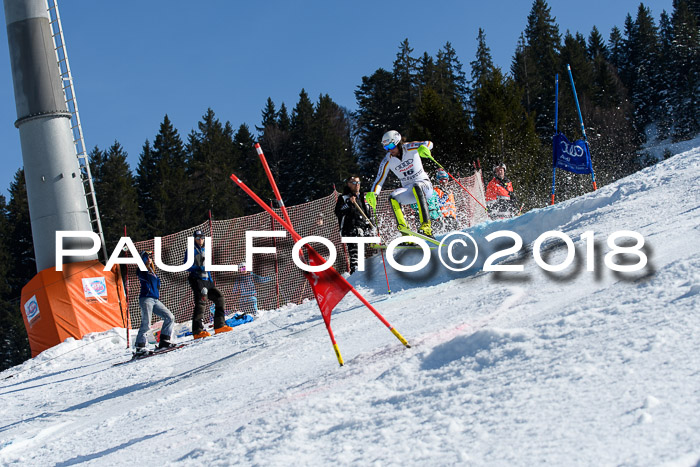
pixel 391 139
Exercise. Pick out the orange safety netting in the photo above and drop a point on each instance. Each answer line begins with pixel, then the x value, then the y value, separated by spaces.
pixel 287 284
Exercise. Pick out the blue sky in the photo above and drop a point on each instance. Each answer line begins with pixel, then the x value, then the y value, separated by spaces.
pixel 135 61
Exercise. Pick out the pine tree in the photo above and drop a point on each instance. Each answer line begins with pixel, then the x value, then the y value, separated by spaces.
pixel 606 83
pixel 284 121
pixel 23 263
pixel 445 122
pixel 334 152
pixel 148 191
pixel 250 170
pixel 618 51
pixel 482 66
pixel 626 68
pixel 302 171
pixel 452 82
pixel 274 140
pixel 441 113
pixel 163 185
pixel 504 132
pixel 643 73
pixel 663 113
pixel 596 45
pixel 210 163
pixel 405 92
pixel 427 74
pixel 686 68
pixel 521 70
pixel 269 116
pixel 574 53
pixel 14 344
pixel 541 57
pixel 376 114
pixel 116 194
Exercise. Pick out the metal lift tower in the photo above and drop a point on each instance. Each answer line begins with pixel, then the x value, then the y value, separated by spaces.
pixel 51 169
pixel 82 297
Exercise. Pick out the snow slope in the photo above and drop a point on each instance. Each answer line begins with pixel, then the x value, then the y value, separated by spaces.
pixel 506 368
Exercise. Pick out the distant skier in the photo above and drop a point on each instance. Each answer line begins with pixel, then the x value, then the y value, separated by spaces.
pixel 149 302
pixel 404 159
pixel 353 211
pixel 203 288
pixel 245 292
pixel 500 199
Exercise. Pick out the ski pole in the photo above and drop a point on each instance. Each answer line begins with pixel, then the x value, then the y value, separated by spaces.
pixel 363 214
pixel 388 288
pixel 453 178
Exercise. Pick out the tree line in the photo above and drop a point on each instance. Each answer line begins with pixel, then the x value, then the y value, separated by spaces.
pixel 644 77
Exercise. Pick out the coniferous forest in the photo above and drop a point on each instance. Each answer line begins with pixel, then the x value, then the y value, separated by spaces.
pixel 644 75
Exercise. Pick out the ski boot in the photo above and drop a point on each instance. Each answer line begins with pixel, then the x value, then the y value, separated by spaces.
pixel 426 229
pixel 165 343
pixel 200 334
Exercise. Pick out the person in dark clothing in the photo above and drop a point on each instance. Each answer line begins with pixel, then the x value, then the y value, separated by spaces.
pixel 149 302
pixel 204 289
pixel 500 199
pixel 349 209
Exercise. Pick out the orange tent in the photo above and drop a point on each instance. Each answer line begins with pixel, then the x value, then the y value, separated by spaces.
pixel 81 299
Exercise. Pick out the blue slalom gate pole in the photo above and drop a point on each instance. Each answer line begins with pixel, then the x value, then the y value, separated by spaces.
pixel 556 122
pixel 580 119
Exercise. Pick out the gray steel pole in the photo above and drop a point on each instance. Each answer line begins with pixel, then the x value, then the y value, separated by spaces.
pixel 54 187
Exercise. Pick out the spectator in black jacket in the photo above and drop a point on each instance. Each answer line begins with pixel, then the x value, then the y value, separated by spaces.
pixel 350 208
pixel 203 289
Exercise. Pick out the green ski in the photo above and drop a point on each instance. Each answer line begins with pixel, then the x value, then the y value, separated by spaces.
pixel 416 234
pixel 399 247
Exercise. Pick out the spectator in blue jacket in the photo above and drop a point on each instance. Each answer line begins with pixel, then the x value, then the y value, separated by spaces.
pixel 149 302
pixel 245 292
pixel 204 289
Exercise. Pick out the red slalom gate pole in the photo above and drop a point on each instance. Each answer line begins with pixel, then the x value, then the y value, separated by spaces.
pixel 271 179
pixel 297 237
pixel 278 197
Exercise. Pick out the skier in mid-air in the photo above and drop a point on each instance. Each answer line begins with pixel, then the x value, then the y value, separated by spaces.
pixel 404 159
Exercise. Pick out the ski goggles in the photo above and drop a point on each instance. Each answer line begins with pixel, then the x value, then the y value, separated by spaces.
pixel 390 146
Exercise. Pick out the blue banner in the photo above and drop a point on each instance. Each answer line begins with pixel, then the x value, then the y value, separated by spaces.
pixel 573 157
